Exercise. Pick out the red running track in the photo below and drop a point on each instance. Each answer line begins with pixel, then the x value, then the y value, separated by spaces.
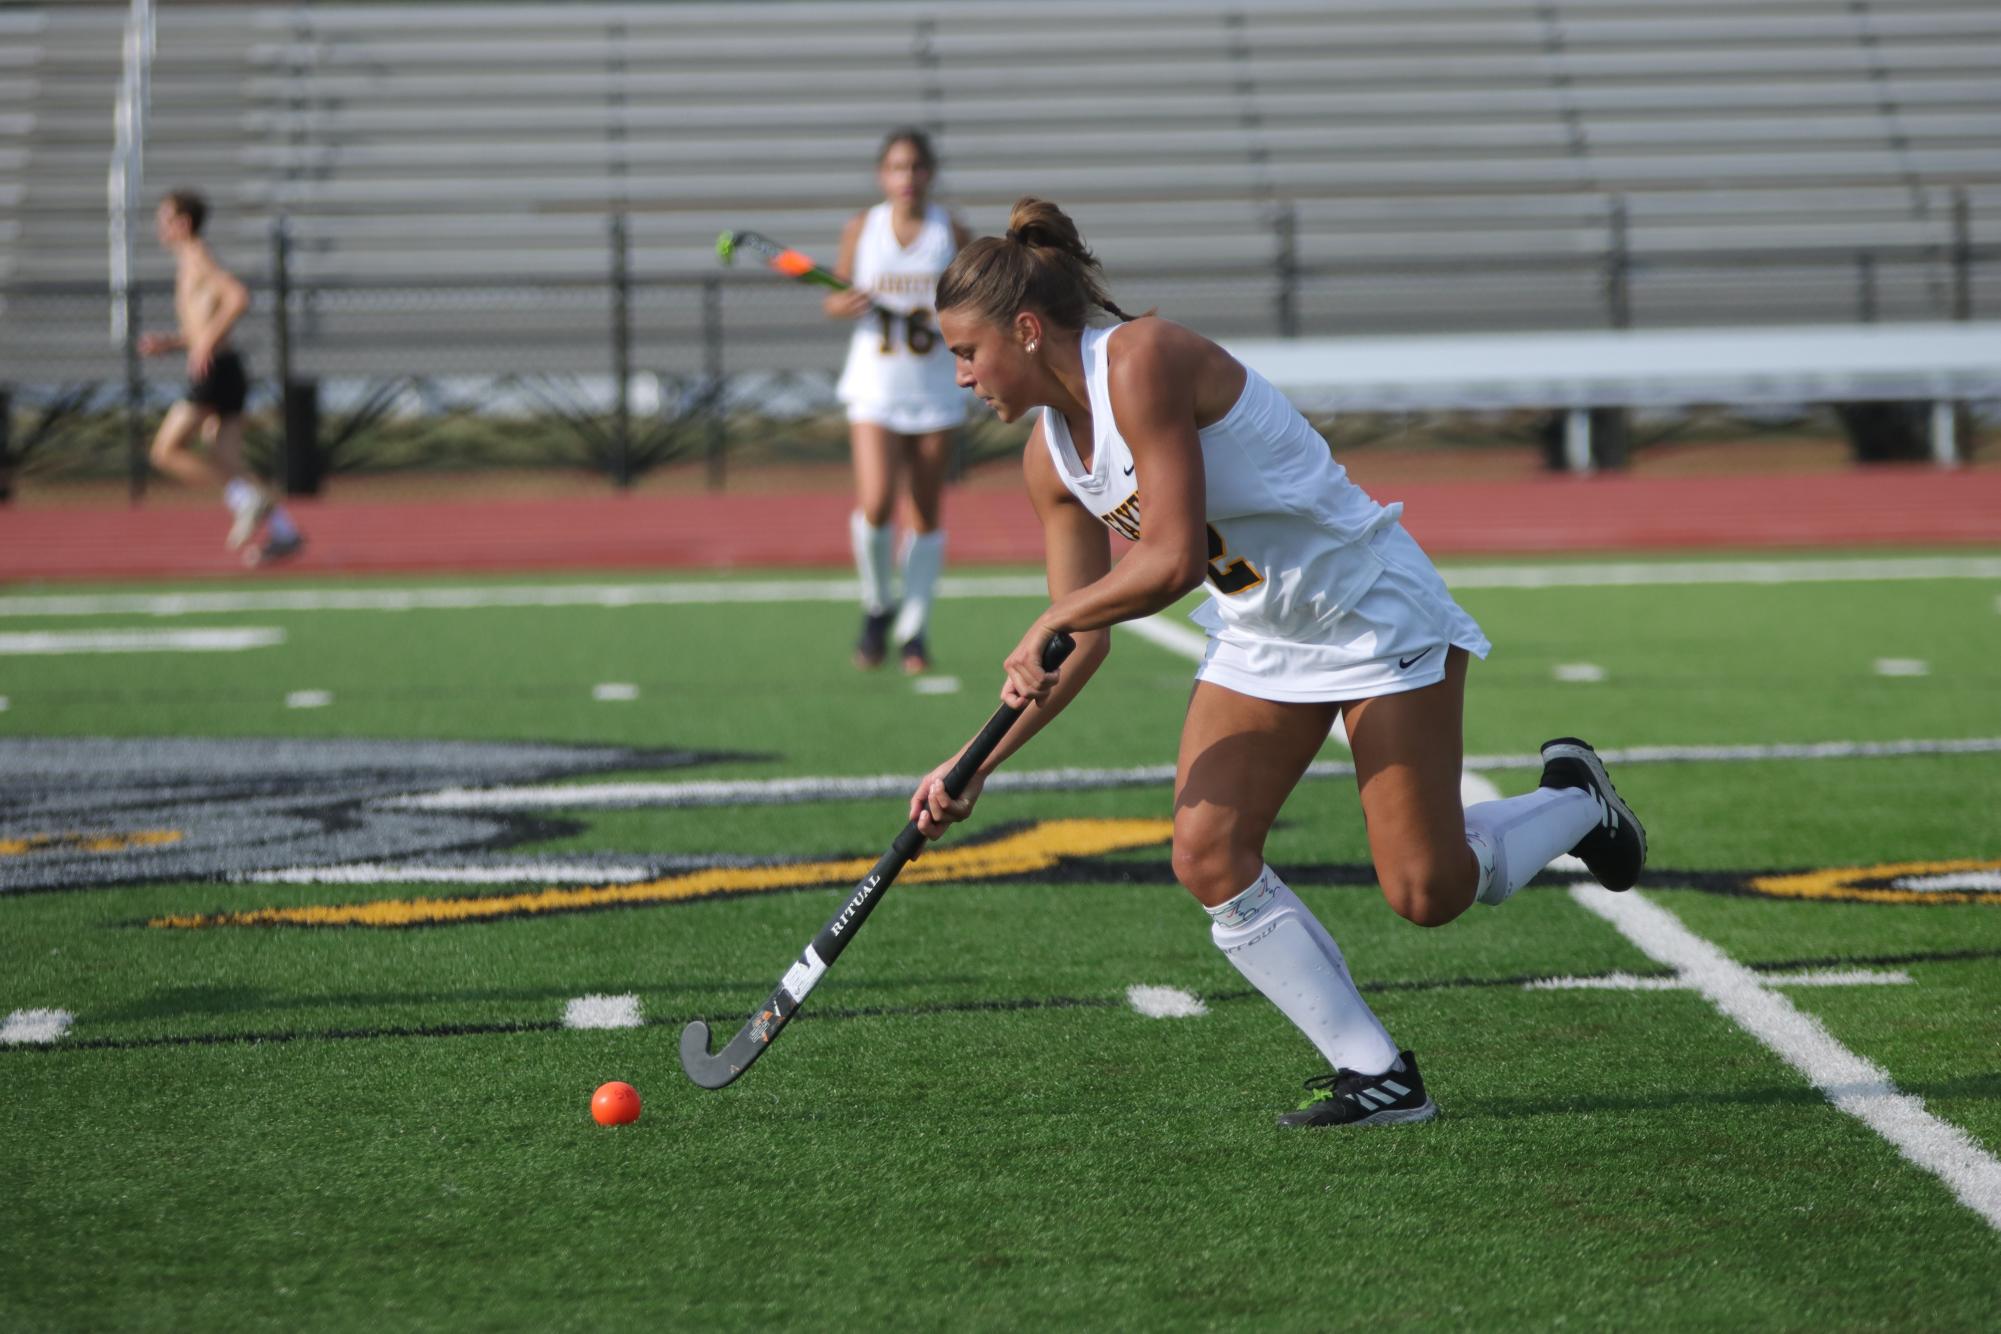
pixel 1881 506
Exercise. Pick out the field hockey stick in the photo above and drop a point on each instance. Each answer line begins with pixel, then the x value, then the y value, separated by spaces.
pixel 758 1031
pixel 792 263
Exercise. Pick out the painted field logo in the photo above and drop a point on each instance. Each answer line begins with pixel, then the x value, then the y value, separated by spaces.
pixel 1003 855
pixel 86 812
pixel 1966 880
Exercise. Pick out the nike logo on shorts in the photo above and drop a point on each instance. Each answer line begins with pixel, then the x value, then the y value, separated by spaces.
pixel 1404 664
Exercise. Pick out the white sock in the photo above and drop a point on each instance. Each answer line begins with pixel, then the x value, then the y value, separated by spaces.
pixel 280 524
pixel 871 546
pixel 1283 951
pixel 239 495
pixel 1515 838
pixel 923 557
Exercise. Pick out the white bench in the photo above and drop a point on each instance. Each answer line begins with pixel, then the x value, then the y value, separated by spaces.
pixel 1945 363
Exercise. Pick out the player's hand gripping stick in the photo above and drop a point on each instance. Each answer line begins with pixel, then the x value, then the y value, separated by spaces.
pixel 758 1032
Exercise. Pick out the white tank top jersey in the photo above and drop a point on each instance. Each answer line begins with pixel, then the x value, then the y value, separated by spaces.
pixel 1289 548
pixel 896 358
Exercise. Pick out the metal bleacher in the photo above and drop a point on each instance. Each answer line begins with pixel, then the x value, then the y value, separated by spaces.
pixel 448 172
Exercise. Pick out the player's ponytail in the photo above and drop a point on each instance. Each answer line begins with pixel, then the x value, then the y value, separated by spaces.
pixel 1042 264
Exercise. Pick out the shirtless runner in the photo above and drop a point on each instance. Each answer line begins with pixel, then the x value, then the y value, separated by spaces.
pixel 208 300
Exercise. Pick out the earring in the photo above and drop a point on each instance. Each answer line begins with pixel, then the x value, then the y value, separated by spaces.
pixel 1030 346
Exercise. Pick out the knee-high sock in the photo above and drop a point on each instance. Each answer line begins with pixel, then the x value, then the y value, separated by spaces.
pixel 1516 837
pixel 923 557
pixel 1282 950
pixel 872 549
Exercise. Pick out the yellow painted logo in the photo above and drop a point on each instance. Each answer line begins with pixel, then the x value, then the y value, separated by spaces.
pixel 1965 880
pixel 1026 852
pixel 30 844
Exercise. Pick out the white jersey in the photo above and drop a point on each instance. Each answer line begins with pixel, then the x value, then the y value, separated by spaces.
pixel 898 371
pixel 1294 548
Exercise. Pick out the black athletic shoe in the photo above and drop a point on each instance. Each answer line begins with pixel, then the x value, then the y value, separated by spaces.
pixel 1345 1098
pixel 916 657
pixel 1615 851
pixel 873 644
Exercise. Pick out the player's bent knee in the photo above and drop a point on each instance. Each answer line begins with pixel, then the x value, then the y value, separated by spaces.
pixel 1210 865
pixel 1427 895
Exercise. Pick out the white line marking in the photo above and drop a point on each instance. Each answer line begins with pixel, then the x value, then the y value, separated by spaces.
pixel 1583 574
pixel 1165 1002
pixel 476 597
pixel 602 1012
pixel 1589 574
pixel 1476 788
pixel 140 641
pixel 1579 672
pixel 1852 1083
pixel 936 685
pixel 35 1025
pixel 392 873
pixel 614 692
pixel 1170 633
pixel 1853 977
pixel 3 704
pixel 1902 667
pixel 787 791
pixel 308 699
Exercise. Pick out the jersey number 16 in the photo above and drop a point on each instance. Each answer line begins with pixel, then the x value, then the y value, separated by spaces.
pixel 918 334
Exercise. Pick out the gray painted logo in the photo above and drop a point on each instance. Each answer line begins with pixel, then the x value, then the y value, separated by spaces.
pixel 88 812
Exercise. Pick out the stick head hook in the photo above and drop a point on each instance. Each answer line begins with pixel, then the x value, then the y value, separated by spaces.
pixel 726 247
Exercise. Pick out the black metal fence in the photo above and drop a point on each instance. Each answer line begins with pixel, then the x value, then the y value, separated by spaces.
pixel 622 370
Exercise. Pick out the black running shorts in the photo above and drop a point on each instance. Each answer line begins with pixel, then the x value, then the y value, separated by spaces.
pixel 224 387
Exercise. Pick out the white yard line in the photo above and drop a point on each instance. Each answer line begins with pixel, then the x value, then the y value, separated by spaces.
pixel 144 640
pixel 35 1025
pixel 1172 633
pixel 602 1012
pixel 1852 1083
pixel 308 699
pixel 1581 574
pixel 1852 977
pixel 393 873
pixel 787 791
pixel 1902 667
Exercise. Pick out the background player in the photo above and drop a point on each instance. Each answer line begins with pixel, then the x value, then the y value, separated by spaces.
pixel 1322 606
pixel 904 406
pixel 208 301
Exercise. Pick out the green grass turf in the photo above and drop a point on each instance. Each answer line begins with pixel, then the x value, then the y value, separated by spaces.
pixel 1605 1158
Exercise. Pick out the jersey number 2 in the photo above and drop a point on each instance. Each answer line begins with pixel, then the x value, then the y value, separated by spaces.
pixel 1229 574
pixel 918 334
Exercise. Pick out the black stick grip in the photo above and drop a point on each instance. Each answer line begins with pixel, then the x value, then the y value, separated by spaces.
pixel 1059 648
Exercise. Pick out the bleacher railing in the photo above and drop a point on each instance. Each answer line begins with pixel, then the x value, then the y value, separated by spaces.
pixel 629 369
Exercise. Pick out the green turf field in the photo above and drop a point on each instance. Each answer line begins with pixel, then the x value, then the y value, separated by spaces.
pixel 259 1122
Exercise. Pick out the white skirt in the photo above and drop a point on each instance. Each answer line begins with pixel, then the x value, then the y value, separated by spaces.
pixel 1394 638
pixel 918 416
pixel 901 390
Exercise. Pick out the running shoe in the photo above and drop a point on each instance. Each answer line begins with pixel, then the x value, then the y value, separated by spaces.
pixel 1616 849
pixel 1345 1098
